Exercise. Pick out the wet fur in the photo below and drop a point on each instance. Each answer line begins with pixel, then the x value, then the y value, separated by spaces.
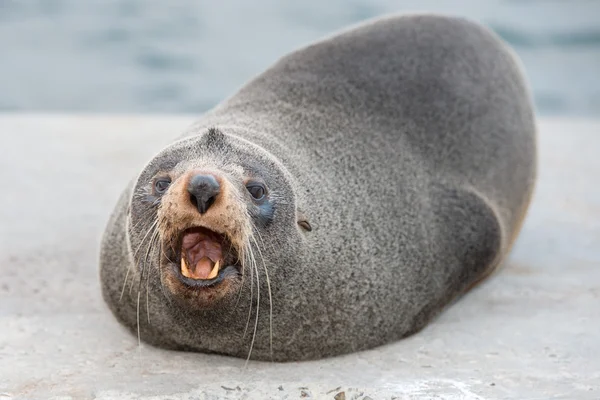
pixel 407 143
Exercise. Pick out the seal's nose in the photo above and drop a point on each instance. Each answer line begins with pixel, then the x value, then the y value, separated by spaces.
pixel 203 190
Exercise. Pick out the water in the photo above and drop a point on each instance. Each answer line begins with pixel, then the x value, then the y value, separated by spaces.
pixel 186 55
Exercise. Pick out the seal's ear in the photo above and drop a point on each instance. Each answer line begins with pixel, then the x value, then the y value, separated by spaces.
pixel 303 221
pixel 470 230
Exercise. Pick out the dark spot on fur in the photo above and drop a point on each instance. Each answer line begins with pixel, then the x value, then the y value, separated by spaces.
pixel 265 214
pixel 214 138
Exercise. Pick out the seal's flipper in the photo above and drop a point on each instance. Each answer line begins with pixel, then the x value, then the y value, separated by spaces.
pixel 467 228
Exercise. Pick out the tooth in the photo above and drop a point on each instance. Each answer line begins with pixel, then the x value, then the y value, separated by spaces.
pixel 185 269
pixel 215 270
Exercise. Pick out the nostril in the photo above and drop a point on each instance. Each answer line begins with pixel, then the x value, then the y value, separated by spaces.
pixel 202 207
pixel 203 190
pixel 193 200
pixel 210 202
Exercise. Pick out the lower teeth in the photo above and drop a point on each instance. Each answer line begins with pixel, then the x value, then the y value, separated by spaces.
pixel 185 270
pixel 214 272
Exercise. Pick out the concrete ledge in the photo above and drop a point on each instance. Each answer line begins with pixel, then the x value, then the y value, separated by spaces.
pixel 532 331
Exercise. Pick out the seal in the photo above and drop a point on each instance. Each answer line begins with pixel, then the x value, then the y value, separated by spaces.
pixel 337 202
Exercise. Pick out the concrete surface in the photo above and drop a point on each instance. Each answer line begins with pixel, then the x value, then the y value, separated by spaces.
pixel 530 332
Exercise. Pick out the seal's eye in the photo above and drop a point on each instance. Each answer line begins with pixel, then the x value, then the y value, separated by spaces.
pixel 257 190
pixel 161 185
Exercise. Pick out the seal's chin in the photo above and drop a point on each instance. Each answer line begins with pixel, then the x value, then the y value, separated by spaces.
pixel 206 261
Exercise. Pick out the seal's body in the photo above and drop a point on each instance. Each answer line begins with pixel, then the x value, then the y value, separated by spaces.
pixel 337 202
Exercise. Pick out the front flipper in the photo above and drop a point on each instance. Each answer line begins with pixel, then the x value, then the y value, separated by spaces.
pixel 468 231
pixel 464 244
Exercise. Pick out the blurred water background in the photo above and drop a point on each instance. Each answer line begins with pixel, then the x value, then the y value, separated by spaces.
pixel 187 55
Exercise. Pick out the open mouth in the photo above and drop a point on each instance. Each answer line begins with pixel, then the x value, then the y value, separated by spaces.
pixel 205 257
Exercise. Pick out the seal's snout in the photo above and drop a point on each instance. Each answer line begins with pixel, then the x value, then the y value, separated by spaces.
pixel 203 189
pixel 203 222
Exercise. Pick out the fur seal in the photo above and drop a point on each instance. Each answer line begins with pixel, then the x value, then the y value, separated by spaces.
pixel 337 202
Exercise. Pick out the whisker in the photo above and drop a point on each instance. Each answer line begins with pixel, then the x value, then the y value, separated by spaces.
pixel 129 269
pixel 151 229
pixel 143 272
pixel 144 217
pixel 242 257
pixel 257 306
pixel 269 292
pixel 124 283
pixel 249 263
pixel 139 337
pixel 147 299
pixel 153 241
pixel 162 285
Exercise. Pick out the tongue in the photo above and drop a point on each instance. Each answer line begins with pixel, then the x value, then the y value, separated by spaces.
pixel 201 255
pixel 203 268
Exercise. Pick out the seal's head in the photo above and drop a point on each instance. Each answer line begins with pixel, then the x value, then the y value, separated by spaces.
pixel 200 213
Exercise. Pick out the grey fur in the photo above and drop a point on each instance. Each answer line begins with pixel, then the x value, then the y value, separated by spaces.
pixel 408 142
